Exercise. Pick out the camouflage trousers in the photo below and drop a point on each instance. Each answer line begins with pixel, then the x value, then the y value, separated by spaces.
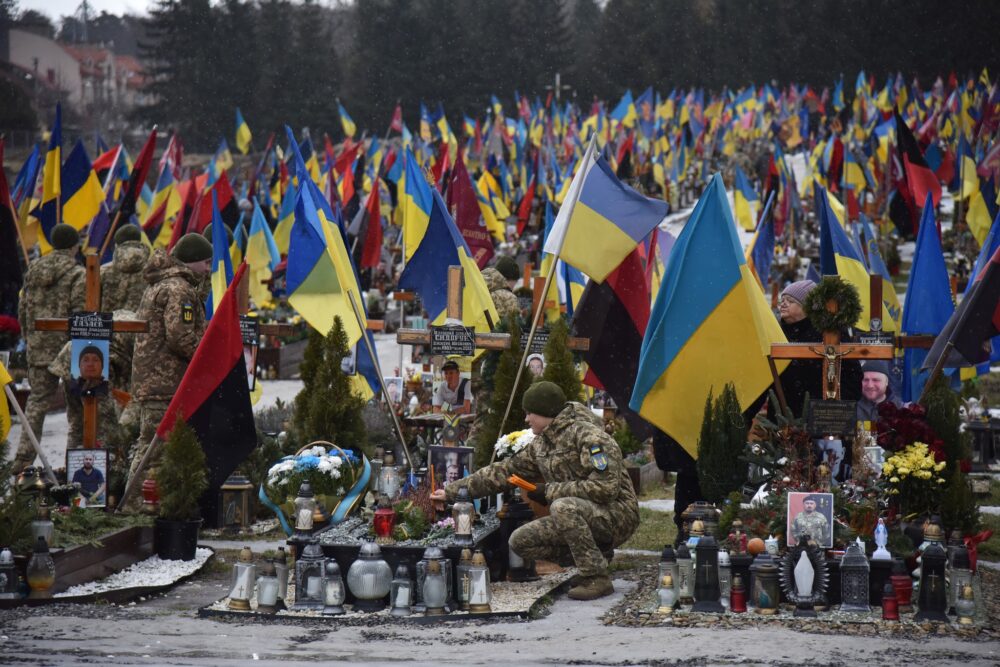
pixel 150 415
pixel 44 386
pixel 575 527
pixel 107 418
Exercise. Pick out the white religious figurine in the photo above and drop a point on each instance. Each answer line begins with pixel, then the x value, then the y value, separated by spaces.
pixel 805 574
pixel 881 539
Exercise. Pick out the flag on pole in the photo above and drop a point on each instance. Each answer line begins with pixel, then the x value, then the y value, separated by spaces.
pixel 243 134
pixel 222 266
pixel 346 123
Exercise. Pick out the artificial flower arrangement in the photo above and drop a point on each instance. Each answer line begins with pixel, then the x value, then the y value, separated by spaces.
pixel 510 444
pixel 330 473
pixel 911 479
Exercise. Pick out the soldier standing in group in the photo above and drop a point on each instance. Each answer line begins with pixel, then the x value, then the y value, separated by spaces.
pixel 499 280
pixel 54 287
pixel 580 474
pixel 122 281
pixel 175 314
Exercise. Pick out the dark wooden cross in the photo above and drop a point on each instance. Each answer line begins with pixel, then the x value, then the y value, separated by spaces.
pixel 92 304
pixel 538 290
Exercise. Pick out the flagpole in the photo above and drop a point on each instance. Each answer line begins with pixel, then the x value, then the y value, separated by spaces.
pixel 143 462
pixel 381 379
pixel 107 185
pixel 31 434
pixel 545 291
pixel 118 214
pixel 938 367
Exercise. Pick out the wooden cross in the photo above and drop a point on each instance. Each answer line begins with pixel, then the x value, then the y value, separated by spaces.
pixel 93 304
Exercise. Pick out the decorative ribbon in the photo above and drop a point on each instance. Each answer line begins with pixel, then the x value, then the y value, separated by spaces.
pixel 354 496
pixel 269 504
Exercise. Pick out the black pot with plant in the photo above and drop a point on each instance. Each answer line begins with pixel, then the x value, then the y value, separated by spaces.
pixel 182 480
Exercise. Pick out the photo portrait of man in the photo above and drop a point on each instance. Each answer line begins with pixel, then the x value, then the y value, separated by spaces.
pixel 90 377
pixel 91 481
pixel 811 514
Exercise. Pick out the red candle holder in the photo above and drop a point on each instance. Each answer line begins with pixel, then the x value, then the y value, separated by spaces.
pixel 738 599
pixel 384 522
pixel 902 585
pixel 890 607
pixel 150 492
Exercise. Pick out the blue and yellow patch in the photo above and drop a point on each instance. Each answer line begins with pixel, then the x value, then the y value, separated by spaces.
pixel 187 313
pixel 598 457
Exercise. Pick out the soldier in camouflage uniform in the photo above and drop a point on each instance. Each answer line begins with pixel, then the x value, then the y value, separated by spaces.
pixel 122 282
pixel 810 522
pixel 54 287
pixel 175 314
pixel 579 473
pixel 499 286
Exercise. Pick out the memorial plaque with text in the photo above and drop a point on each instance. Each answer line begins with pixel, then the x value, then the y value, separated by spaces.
pixel 453 340
pixel 832 418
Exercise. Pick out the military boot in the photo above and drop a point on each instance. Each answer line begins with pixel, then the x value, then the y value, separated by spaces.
pixel 592 588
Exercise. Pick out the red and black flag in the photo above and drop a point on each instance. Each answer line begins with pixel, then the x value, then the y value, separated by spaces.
pixel 914 181
pixel 614 315
pixel 136 180
pixel 371 227
pixel 214 398
pixel 11 276
pixel 463 205
pixel 973 324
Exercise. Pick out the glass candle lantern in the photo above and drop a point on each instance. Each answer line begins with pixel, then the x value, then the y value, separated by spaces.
pixel 903 585
pixel 706 586
pixel 771 545
pixel 435 589
pixel 668 565
pixel 959 576
pixel 42 526
pixel 389 477
pixel 401 593
pixel 890 605
pixel 725 577
pixel 267 589
pixel 444 564
pixel 933 599
pixel 480 594
pixel 333 589
pixel 369 578
pixel 854 572
pixel 463 581
pixel 8 576
pixel 305 506
pixel 243 580
pixel 965 606
pixel 463 512
pixel 738 595
pixel 666 596
pixel 281 574
pixel 766 593
pixel 41 572
pixel 309 578
pixel 685 569
pixel 383 523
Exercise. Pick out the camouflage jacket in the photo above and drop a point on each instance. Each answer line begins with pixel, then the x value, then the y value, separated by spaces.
pixel 54 286
pixel 175 313
pixel 122 282
pixel 504 300
pixel 575 458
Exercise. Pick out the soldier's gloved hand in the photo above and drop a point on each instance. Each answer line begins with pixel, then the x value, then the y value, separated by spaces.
pixel 538 495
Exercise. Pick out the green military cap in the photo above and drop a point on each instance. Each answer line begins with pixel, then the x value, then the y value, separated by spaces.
pixel 64 237
pixel 544 398
pixel 128 233
pixel 507 266
pixel 192 248
pixel 207 233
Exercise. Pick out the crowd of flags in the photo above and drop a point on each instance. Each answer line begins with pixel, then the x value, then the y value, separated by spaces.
pixel 324 213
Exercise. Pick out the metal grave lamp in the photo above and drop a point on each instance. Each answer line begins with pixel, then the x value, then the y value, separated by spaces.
pixel 401 593
pixel 305 506
pixel 804 577
pixel 463 581
pixel 933 600
pixel 685 568
pixel 725 577
pixel 706 587
pixel 309 578
pixel 480 594
pixel 42 525
pixel 281 574
pixel 369 579
pixel 435 589
pixel 236 503
pixel 41 572
pixel 463 512
pixel 8 576
pixel 334 593
pixel 854 571
pixel 765 593
pixel 959 576
pixel 668 564
pixel 243 580
pixel 516 513
pixel 666 596
pixel 267 589
pixel 431 555
pixel 390 479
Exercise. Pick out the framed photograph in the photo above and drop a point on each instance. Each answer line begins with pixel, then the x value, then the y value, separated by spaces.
pixel 394 387
pixel 89 469
pixel 349 364
pixel 89 367
pixel 448 464
pixel 810 514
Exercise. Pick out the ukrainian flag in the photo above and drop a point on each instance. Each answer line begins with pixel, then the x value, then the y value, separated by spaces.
pixel 855 176
pixel 966 171
pixel 710 325
pixel 599 206
pixel 760 250
pixel 437 244
pixel 164 209
pixel 239 243
pixel 745 201
pixel 286 218
pixel 82 194
pixel 262 256
pixel 346 122
pixel 48 210
pixel 840 257
pixel 320 277
pixel 222 265
pixel 243 135
pixel 982 209
pixel 624 113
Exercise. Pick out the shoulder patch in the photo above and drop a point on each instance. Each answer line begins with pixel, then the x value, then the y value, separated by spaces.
pixel 598 457
pixel 187 313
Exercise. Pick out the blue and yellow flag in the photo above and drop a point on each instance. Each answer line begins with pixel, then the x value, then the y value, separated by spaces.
pixel 5 421
pixel 745 201
pixel 708 293
pixel 243 134
pixel 82 194
pixel 222 265
pixel 262 256
pixel 48 210
pixel 346 122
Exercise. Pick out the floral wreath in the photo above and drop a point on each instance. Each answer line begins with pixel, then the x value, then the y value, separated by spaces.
pixel 845 295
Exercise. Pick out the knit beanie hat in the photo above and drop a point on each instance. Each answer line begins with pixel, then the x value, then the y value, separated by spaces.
pixel 128 233
pixel 92 349
pixel 192 248
pixel 64 237
pixel 544 398
pixel 507 266
pixel 799 290
pixel 877 366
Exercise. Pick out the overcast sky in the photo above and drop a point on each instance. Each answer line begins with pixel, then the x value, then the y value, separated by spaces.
pixel 58 8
